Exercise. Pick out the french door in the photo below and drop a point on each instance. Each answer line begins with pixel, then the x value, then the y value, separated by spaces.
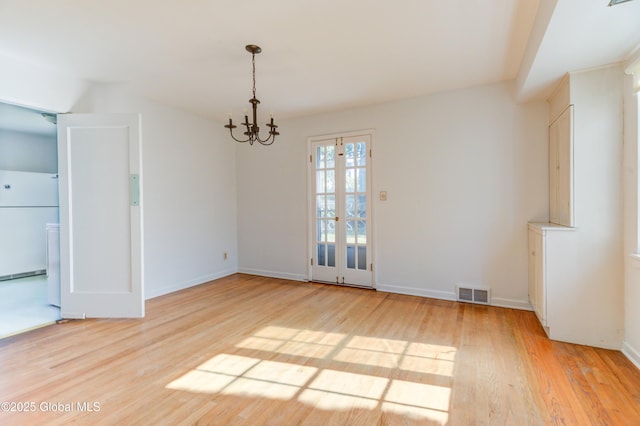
pixel 341 213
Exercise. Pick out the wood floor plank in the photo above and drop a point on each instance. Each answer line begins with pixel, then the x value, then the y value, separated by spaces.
pixel 254 350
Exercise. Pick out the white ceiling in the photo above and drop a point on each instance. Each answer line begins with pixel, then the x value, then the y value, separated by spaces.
pixel 317 56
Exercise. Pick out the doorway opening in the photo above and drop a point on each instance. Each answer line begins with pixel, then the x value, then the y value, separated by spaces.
pixel 29 214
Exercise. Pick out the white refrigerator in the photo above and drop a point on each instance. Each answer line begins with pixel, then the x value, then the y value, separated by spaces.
pixel 28 202
pixel 53 263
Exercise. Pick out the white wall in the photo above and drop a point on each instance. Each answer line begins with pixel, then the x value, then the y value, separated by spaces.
pixel 190 187
pixel 464 170
pixel 28 152
pixel 631 345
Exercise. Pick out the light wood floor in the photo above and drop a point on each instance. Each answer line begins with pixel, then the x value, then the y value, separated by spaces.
pixel 252 350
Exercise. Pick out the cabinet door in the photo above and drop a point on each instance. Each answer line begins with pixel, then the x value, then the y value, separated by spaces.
pixel 561 169
pixel 532 267
pixel 540 304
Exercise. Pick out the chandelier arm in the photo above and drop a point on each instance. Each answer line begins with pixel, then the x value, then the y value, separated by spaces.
pixel 271 137
pixel 238 140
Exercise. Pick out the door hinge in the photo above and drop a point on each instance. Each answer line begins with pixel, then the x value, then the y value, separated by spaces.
pixel 311 158
pixel 371 267
pixel 311 261
pixel 370 153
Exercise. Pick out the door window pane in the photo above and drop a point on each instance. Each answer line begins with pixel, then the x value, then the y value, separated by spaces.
pixel 361 154
pixel 362 206
pixel 331 255
pixel 331 206
pixel 362 180
pixel 320 157
pixel 320 181
pixel 320 230
pixel 351 257
pixel 349 155
pixel 321 210
pixel 351 231
pixel 321 255
pixel 350 205
pixel 331 181
pixel 331 231
pixel 350 180
pixel 331 157
pixel 362 232
pixel 362 258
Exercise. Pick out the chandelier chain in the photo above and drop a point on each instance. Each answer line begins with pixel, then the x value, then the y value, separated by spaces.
pixel 253 61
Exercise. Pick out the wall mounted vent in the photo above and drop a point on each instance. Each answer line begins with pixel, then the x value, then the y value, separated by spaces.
pixel 474 295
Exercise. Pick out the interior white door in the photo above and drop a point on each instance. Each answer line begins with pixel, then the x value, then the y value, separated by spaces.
pixel 341 216
pixel 101 248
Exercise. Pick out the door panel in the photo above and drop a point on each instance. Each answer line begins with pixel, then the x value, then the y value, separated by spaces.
pixel 325 217
pixel 341 215
pixel 356 205
pixel 100 225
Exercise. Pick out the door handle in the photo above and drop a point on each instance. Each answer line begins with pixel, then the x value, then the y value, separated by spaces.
pixel 337 218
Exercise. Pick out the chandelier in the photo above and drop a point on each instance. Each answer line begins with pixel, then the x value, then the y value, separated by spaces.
pixel 252 132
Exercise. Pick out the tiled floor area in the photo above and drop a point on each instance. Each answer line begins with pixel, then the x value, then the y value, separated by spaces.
pixel 23 305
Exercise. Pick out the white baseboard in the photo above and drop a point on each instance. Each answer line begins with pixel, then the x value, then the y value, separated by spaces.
pixel 632 354
pixel 273 274
pixel 191 283
pixel 412 291
pixel 510 303
pixel 450 295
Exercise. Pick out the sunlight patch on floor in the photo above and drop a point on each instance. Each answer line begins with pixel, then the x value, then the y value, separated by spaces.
pixel 330 389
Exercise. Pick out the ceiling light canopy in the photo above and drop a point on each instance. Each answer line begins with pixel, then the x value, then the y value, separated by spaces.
pixel 252 132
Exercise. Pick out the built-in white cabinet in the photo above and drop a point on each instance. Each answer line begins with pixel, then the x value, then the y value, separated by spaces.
pixel 551 265
pixel 576 262
pixel 561 169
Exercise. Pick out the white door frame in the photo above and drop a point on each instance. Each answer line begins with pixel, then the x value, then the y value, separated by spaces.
pixel 311 198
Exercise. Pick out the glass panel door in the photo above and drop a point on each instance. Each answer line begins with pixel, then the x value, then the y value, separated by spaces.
pixel 341 223
pixel 324 216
